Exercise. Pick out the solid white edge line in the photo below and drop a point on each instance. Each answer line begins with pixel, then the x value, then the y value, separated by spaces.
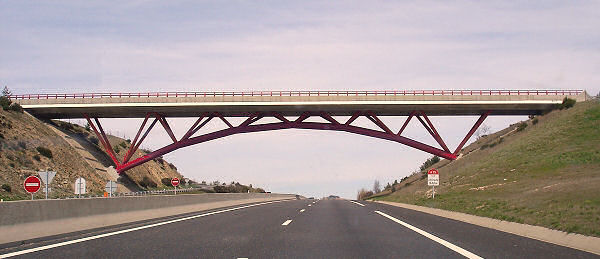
pixel 357 203
pixel 302 210
pixel 443 242
pixel 287 222
pixel 46 247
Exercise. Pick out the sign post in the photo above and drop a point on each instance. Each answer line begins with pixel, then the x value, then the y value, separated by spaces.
pixel 32 185
pixel 111 187
pixel 433 180
pixel 47 177
pixel 175 182
pixel 80 186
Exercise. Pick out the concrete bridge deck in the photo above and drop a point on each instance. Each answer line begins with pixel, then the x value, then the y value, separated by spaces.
pixel 293 103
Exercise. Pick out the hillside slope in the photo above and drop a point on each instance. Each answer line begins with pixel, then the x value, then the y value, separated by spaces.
pixel 28 145
pixel 547 174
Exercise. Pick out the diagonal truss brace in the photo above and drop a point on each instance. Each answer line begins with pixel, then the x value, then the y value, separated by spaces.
pixel 249 125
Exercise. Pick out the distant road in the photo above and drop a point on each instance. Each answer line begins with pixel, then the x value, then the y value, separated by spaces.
pixel 296 229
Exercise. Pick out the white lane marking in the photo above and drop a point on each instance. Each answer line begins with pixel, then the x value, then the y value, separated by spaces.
pixel 443 242
pixel 309 205
pixel 302 210
pixel 242 257
pixel 41 248
pixel 357 203
pixel 287 222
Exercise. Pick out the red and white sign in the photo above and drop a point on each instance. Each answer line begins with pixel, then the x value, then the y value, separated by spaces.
pixel 175 181
pixel 32 184
pixel 433 177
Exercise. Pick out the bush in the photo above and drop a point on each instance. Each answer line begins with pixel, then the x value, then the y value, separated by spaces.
pixel 37 157
pixel 567 103
pixel 147 182
pixel 67 126
pixel 94 140
pixel 117 149
pixel 429 162
pixel 522 126
pixel 5 102
pixel 16 107
pixel 172 166
pixel 22 145
pixel 6 187
pixel 123 144
pixel 45 152
pixel 166 181
pixel 534 121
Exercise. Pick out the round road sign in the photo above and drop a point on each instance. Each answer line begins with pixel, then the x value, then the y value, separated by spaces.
pixel 32 184
pixel 433 171
pixel 175 181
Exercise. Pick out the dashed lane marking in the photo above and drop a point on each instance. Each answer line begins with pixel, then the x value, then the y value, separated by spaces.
pixel 287 222
pixel 357 203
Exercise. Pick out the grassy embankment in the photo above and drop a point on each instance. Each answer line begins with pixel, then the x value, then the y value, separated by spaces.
pixel 547 174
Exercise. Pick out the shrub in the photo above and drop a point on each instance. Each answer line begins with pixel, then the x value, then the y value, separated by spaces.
pixel 166 181
pixel 5 102
pixel 1 136
pixel 567 103
pixel 117 149
pixel 16 107
pixel 172 166
pixel 94 140
pixel 128 141
pixel 147 182
pixel 44 152
pixel 6 187
pixel 534 121
pixel 67 126
pixel 429 162
pixel 87 127
pixel 22 145
pixel 37 157
pixel 521 126
pixel 123 144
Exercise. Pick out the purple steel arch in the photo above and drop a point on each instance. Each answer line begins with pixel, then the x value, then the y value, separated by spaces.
pixel 247 127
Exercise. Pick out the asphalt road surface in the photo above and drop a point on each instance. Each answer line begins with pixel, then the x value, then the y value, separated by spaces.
pixel 295 229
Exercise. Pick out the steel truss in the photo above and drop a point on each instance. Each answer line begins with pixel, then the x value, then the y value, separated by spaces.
pixel 284 123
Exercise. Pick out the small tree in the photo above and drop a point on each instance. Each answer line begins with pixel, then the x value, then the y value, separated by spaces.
pixel 6 92
pixel 483 131
pixel 376 187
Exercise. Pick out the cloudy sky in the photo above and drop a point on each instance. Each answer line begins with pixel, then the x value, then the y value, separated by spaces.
pixel 139 46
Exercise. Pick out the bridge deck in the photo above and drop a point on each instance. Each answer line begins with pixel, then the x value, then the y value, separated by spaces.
pixel 388 103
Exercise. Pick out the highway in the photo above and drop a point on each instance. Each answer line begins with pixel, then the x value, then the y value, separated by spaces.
pixel 294 229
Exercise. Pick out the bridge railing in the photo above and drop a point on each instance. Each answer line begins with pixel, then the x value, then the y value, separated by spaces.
pixel 299 93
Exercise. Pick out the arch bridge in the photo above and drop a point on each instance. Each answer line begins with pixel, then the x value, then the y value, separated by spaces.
pixel 156 107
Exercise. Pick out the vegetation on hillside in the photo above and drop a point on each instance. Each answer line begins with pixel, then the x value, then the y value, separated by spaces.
pixel 546 173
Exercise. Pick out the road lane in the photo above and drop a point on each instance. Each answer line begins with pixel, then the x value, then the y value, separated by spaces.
pixel 485 242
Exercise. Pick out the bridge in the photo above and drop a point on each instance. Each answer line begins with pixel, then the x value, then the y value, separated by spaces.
pixel 281 105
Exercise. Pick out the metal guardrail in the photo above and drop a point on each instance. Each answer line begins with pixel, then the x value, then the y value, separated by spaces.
pixel 142 193
pixel 298 93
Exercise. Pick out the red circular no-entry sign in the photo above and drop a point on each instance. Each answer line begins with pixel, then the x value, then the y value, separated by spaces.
pixel 433 171
pixel 32 184
pixel 175 181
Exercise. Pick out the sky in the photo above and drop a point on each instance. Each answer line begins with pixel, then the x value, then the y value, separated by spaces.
pixel 142 46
